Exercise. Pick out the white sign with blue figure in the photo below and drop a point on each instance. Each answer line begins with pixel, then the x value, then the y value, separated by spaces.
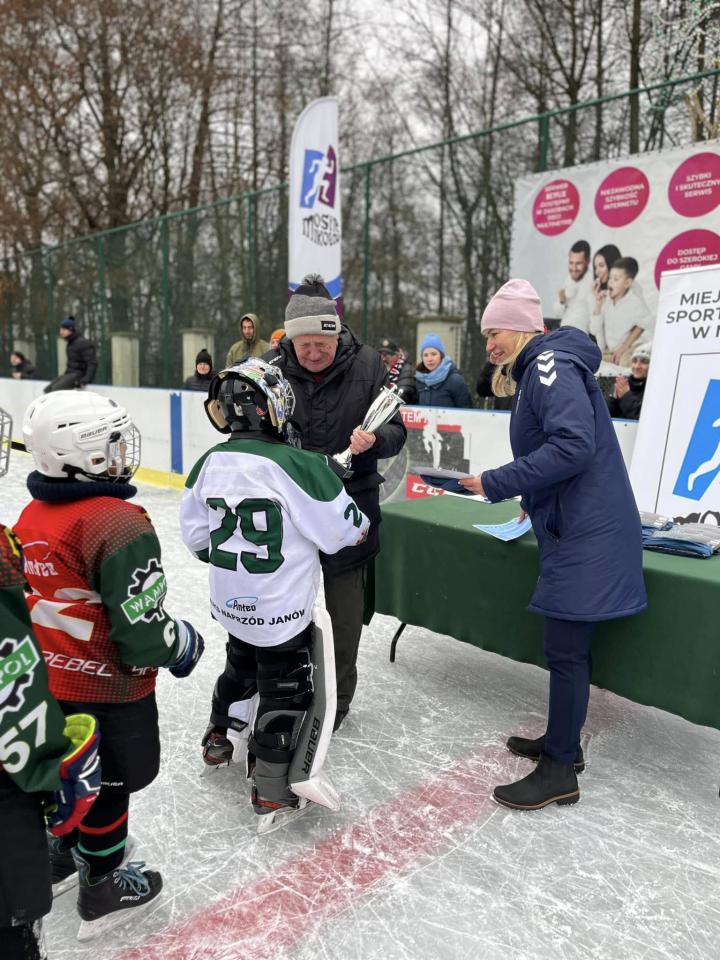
pixel 314 220
pixel 676 462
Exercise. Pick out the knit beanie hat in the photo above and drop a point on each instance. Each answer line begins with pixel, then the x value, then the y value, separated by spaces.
pixel 516 306
pixel 68 323
pixel 203 357
pixel 311 310
pixel 433 341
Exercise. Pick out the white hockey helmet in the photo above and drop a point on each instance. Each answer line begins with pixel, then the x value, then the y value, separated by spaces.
pixel 5 441
pixel 81 434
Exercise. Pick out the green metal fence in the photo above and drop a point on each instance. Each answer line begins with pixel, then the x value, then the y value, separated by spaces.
pixel 426 233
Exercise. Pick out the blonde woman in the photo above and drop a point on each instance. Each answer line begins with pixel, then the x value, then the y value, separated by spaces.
pixel 569 471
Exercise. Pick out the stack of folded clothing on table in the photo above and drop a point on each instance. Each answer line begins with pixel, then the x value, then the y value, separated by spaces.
pixel 684 539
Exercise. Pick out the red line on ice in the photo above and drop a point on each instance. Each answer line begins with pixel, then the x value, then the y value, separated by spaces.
pixel 276 911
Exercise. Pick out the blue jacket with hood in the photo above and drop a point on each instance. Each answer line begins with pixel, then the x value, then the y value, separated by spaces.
pixel 569 470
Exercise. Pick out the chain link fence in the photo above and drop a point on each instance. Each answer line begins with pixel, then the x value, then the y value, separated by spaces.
pixel 426 235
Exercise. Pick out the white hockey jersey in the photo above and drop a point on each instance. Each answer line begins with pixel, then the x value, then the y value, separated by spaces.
pixel 258 512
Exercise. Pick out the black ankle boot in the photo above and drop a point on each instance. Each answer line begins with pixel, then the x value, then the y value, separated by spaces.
pixel 531 750
pixel 550 782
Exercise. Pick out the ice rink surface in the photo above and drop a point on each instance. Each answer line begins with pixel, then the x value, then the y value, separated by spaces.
pixel 419 863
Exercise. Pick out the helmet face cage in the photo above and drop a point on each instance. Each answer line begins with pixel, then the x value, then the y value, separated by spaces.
pixel 5 441
pixel 256 393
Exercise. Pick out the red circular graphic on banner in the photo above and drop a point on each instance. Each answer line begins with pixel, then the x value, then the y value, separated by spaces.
pixel 622 197
pixel 694 248
pixel 556 207
pixel 694 189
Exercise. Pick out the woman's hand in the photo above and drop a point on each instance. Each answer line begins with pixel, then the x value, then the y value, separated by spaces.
pixel 523 516
pixel 361 440
pixel 473 484
pixel 622 386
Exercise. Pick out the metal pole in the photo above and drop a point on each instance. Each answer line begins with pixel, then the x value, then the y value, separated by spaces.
pixel 251 252
pixel 165 239
pixel 366 257
pixel 105 326
pixel 52 340
pixel 544 141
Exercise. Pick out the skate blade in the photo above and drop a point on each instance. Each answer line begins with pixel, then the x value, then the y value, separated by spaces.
pixel 270 822
pixel 89 929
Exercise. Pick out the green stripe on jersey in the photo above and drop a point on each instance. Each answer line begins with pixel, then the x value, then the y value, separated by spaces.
pixel 309 470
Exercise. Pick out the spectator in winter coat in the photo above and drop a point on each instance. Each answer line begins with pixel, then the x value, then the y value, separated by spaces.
pixel 627 398
pixel 400 371
pixel 22 369
pixel 204 372
pixel 81 359
pixel 335 378
pixel 440 383
pixel 250 344
pixel 570 473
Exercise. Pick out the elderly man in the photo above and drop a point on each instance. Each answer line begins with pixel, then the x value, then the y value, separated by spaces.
pixel 335 378
pixel 400 370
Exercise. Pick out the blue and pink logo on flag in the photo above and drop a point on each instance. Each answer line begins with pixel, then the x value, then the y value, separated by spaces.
pixel 319 178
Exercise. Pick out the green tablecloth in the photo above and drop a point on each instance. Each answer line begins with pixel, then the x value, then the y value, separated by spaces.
pixel 434 570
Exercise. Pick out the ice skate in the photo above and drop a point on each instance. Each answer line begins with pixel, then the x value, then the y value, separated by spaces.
pixel 270 820
pixel 63 868
pixel 217 750
pixel 108 901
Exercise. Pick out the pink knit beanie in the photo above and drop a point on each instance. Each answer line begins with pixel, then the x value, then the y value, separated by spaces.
pixel 516 306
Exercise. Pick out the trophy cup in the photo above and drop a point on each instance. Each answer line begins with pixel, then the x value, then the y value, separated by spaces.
pixel 379 412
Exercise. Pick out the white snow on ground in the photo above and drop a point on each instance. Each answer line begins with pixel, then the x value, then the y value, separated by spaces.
pixel 418 863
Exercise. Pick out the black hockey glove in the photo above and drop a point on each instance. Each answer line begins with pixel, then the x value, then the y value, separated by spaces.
pixel 192 646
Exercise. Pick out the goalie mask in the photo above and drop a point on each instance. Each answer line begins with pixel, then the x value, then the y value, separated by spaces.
pixel 82 435
pixel 5 441
pixel 252 396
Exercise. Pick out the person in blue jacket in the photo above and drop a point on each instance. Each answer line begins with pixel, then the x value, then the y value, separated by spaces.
pixel 440 383
pixel 570 474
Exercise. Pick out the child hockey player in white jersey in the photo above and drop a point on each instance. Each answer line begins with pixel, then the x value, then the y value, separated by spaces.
pixel 258 510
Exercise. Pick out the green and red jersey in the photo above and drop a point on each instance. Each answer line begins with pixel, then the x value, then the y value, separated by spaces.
pixel 97 600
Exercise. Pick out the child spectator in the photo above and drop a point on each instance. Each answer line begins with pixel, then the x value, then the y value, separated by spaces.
pixel 623 316
pixel 98 588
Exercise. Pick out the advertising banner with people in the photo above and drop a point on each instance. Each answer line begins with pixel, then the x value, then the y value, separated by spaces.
pixel 593 240
pixel 314 221
pixel 676 464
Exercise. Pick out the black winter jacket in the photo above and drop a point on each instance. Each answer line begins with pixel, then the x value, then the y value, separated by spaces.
pixel 629 406
pixel 327 411
pixel 199 381
pixel 25 369
pixel 81 358
pixel 405 382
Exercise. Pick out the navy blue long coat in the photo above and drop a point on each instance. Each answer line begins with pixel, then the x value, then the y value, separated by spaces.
pixel 569 470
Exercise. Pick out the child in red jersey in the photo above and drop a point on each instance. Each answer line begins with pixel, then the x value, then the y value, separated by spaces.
pixel 92 561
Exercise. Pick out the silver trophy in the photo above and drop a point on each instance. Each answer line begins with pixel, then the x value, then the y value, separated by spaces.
pixel 379 412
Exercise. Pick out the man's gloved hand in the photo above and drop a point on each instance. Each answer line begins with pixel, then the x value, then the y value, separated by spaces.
pixel 192 646
pixel 79 773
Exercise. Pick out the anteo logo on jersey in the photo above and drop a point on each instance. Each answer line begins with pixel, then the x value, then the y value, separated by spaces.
pixel 18 659
pixel 146 594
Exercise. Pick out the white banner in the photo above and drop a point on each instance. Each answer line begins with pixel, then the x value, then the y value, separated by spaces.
pixel 676 464
pixel 659 208
pixel 314 222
